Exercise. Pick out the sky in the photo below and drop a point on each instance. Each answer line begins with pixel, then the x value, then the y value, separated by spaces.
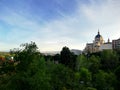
pixel 53 24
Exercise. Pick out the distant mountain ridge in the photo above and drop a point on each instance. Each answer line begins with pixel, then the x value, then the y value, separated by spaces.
pixel 76 51
pixel 52 53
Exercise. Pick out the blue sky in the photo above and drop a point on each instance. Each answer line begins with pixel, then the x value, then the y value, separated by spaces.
pixel 53 24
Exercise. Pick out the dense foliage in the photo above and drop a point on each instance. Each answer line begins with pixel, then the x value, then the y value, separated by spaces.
pixel 31 70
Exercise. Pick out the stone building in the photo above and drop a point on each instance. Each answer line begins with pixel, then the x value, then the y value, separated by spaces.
pixel 116 44
pixel 98 44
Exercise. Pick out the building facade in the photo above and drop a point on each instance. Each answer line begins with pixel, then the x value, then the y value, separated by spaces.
pixel 98 45
pixel 116 44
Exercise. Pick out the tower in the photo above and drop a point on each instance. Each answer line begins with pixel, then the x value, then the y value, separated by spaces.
pixel 98 41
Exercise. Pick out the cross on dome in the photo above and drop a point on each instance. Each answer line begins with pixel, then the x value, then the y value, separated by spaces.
pixel 98 32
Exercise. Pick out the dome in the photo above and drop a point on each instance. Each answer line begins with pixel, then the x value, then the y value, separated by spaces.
pixel 98 35
pixel 98 39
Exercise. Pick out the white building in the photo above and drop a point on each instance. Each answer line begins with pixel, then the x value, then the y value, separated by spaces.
pixel 98 44
pixel 105 46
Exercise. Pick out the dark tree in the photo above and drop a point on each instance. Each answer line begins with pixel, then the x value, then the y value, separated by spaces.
pixel 109 60
pixel 68 58
pixel 117 73
pixel 65 56
pixel 56 58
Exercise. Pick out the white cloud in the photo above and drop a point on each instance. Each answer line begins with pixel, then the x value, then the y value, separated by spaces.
pixel 105 16
pixel 74 30
pixel 107 12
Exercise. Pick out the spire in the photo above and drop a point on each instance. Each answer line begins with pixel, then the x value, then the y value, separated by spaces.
pixel 98 32
pixel 108 40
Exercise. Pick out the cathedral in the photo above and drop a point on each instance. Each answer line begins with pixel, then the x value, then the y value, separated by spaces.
pixel 98 45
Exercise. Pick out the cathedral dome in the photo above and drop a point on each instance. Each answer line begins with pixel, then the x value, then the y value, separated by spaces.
pixel 98 39
pixel 98 36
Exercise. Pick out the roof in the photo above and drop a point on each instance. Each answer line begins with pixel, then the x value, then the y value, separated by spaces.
pixel 98 35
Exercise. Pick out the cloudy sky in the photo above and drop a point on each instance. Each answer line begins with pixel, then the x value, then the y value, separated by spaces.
pixel 53 24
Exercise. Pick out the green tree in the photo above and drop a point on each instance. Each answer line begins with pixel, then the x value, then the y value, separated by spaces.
pixel 81 61
pixel 85 76
pixel 25 55
pixel 117 73
pixel 94 64
pixel 31 72
pixel 68 58
pixel 61 77
pixel 109 60
pixel 39 78
pixel 57 57
pixel 83 79
pixel 105 81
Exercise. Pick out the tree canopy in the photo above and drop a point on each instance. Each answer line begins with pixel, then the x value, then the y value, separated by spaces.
pixel 31 70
